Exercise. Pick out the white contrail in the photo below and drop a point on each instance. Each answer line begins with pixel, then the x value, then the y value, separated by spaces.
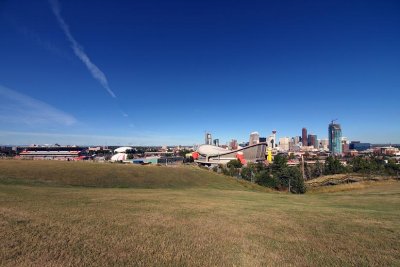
pixel 78 50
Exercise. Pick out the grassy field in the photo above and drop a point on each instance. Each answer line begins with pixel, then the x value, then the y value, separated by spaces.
pixel 55 213
pixel 88 174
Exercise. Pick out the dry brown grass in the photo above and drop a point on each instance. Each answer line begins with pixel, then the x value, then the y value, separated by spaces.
pixel 345 182
pixel 350 186
pixel 197 226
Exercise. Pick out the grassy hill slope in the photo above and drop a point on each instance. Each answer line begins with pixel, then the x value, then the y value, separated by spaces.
pixel 61 173
pixel 188 218
pixel 74 226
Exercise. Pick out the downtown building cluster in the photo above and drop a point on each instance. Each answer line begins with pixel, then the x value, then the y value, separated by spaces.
pixel 306 142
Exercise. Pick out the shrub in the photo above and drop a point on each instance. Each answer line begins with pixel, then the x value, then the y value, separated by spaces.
pixel 234 163
pixel 333 166
pixel 247 173
pixel 293 176
pixel 264 178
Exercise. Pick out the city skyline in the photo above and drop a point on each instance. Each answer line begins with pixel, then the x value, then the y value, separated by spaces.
pixel 159 73
pixel 209 139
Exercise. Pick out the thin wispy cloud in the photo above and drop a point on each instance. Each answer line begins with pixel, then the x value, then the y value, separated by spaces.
pixel 78 50
pixel 17 108
pixel 35 37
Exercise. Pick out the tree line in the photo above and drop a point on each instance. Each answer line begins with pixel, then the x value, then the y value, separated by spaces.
pixel 280 176
pixel 277 175
pixel 363 165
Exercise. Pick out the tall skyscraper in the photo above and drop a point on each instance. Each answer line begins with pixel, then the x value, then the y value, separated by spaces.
pixel 216 142
pixel 304 137
pixel 272 140
pixel 207 139
pixel 312 140
pixel 296 139
pixel 254 138
pixel 335 138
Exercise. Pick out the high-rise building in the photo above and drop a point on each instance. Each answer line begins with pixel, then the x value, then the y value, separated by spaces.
pixel 271 141
pixel 262 139
pixel 304 137
pixel 274 136
pixel 345 144
pixel 335 138
pixel 284 143
pixel 296 139
pixel 312 140
pixel 233 144
pixel 207 139
pixel 292 143
pixel 294 147
pixel 254 138
pixel 216 142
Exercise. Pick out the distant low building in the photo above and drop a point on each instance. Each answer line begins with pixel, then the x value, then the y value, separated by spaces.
pixel 387 150
pixel 324 144
pixel 52 153
pixel 345 148
pixel 359 146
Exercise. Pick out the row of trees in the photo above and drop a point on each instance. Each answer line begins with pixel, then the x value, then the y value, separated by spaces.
pixel 277 175
pixel 280 176
pixel 364 165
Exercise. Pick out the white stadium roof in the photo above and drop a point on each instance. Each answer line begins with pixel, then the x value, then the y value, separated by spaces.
pixel 123 149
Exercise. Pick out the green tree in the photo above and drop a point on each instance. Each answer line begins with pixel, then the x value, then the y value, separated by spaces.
pixel 292 176
pixel 279 164
pixel 247 173
pixel 264 178
pixel 232 168
pixel 392 168
pixel 368 165
pixel 317 169
pixel 333 166
pixel 235 163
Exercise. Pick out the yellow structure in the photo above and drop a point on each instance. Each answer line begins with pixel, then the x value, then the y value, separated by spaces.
pixel 269 156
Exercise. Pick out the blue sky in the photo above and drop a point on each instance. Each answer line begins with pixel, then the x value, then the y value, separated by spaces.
pixel 163 72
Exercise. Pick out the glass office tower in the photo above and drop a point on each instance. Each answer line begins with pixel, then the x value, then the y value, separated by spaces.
pixel 335 136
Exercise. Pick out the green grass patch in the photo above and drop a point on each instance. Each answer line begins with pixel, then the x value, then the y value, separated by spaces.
pixel 87 174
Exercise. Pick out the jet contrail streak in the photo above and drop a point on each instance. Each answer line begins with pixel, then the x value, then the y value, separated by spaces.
pixel 78 50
